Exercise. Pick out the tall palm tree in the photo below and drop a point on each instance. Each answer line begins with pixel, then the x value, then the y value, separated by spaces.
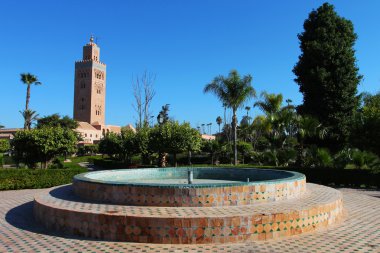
pixel 29 117
pixel 29 79
pixel 247 108
pixel 209 128
pixel 219 121
pixel 232 91
pixel 203 128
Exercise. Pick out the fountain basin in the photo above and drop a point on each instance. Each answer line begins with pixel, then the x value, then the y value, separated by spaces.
pixel 169 186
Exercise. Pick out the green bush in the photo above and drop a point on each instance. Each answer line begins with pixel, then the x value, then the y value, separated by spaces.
pixel 15 179
pixel 109 164
pixel 339 177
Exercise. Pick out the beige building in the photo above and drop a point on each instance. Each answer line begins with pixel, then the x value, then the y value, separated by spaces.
pixel 8 133
pixel 90 95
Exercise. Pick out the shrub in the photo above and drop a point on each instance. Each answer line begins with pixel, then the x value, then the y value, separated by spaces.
pixel 56 164
pixel 323 158
pixel 4 145
pixel 340 177
pixel 15 179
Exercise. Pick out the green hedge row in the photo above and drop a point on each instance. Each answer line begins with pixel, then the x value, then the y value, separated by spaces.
pixel 109 164
pixel 340 177
pixel 325 176
pixel 14 179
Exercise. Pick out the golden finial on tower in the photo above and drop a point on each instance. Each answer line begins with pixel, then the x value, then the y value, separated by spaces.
pixel 92 39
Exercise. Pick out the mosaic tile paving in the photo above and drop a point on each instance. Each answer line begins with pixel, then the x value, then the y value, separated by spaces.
pixel 360 232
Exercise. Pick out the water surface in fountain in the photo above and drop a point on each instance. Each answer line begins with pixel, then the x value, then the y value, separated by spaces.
pixel 179 176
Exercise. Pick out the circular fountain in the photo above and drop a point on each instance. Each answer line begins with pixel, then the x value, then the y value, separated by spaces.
pixel 188 205
pixel 171 187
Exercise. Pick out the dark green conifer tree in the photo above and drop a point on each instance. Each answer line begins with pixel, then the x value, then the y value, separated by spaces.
pixel 327 74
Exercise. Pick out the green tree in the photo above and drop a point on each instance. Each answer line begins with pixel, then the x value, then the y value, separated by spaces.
pixel 219 121
pixel 4 145
pixel 142 142
pixel 326 72
pixel 307 127
pixel 163 115
pixel 1 126
pixel 245 149
pixel 29 79
pixel 233 91
pixel 55 120
pixel 365 133
pixel 270 105
pixel 110 145
pixel 43 145
pixel 212 147
pixel 174 138
pixel 128 145
pixel 29 116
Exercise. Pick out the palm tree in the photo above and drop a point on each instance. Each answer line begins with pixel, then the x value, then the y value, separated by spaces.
pixel 270 105
pixel 209 128
pixel 29 79
pixel 232 91
pixel 219 121
pixel 225 109
pixel 1 126
pixel 247 108
pixel 288 101
pixel 203 128
pixel 29 117
pixel 307 127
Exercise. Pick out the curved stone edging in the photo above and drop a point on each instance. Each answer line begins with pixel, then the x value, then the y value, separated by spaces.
pixel 235 194
pixel 322 207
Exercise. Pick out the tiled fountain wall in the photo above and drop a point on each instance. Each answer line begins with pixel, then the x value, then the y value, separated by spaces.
pixel 278 185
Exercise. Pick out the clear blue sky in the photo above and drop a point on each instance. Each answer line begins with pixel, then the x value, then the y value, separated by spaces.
pixel 185 43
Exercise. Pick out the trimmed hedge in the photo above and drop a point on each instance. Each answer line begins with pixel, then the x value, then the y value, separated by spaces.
pixel 340 177
pixel 15 179
pixel 109 164
pixel 326 176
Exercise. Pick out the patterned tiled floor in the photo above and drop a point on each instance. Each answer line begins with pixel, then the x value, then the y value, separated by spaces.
pixel 360 232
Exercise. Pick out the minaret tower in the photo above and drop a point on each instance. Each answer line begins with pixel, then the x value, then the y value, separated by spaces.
pixel 90 86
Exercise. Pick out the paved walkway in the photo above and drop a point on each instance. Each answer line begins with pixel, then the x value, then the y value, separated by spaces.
pixel 360 232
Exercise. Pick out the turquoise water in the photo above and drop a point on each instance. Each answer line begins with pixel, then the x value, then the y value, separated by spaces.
pixel 203 177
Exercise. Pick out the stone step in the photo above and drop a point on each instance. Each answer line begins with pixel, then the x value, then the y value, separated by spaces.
pixel 60 209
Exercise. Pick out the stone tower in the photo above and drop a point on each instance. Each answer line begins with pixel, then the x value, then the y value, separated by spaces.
pixel 90 86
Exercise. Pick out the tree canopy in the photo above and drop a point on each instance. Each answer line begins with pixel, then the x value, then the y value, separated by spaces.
pixel 174 138
pixel 56 120
pixel 326 72
pixel 42 145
